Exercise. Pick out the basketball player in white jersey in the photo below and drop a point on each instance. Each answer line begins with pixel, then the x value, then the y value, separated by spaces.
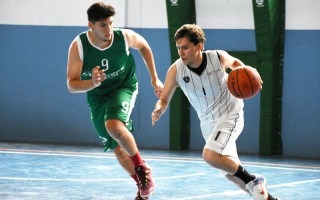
pixel 201 76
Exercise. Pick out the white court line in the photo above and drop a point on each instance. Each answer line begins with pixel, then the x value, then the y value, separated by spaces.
pixel 94 180
pixel 58 154
pixel 241 192
pixel 108 154
pixel 161 159
pixel 283 168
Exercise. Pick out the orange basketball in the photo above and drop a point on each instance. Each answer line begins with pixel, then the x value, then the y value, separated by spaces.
pixel 244 82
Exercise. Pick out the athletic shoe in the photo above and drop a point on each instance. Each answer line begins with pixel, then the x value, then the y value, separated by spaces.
pixel 270 197
pixel 138 197
pixel 146 184
pixel 258 188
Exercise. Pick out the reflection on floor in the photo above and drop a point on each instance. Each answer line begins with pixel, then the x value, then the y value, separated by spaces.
pixel 60 172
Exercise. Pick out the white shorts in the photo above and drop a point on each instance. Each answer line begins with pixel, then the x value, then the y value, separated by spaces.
pixel 221 135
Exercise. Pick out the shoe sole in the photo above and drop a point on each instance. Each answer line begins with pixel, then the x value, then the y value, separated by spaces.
pixel 147 196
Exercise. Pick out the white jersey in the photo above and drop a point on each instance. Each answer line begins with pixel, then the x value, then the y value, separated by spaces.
pixel 208 93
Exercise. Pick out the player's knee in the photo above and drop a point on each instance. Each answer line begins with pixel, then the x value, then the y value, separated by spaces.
pixel 211 157
pixel 114 129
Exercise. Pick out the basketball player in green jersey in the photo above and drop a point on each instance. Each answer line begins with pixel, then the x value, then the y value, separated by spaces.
pixel 100 64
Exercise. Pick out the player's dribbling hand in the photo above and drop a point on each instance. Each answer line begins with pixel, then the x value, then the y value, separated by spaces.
pixel 98 76
pixel 260 79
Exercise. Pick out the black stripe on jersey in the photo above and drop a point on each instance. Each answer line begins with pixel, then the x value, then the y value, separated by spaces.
pixel 195 90
pixel 188 73
pixel 204 91
pixel 212 64
pixel 220 84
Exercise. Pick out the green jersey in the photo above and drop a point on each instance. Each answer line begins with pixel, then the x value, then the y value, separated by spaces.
pixel 116 60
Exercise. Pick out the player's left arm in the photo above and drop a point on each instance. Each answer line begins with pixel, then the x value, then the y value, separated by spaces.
pixel 136 41
pixel 229 61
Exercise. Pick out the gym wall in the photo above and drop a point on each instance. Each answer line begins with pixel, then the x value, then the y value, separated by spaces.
pixel 35 105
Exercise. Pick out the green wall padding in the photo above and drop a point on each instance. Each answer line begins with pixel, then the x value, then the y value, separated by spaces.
pixel 269 21
pixel 179 13
pixel 247 57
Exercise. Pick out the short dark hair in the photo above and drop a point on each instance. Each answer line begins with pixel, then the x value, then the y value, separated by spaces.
pixel 99 11
pixel 191 31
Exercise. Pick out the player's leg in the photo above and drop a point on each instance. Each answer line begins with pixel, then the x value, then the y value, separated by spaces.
pixel 237 181
pixel 125 161
pixel 118 125
pixel 258 182
pixel 127 142
pixel 119 132
pixel 255 185
pixel 221 152
pixel 98 116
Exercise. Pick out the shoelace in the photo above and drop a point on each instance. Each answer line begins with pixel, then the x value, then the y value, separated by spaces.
pixel 142 175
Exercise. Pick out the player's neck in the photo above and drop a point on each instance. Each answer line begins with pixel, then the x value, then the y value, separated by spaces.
pixel 198 70
pixel 198 61
pixel 98 42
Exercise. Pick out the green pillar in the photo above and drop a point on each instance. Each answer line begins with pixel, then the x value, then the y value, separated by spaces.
pixel 179 13
pixel 269 18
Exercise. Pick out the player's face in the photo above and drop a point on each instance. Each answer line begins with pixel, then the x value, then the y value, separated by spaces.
pixel 103 29
pixel 188 52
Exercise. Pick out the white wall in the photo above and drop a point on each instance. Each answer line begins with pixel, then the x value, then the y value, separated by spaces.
pixel 53 12
pixel 225 14
pixel 303 15
pixel 60 21
pixel 211 14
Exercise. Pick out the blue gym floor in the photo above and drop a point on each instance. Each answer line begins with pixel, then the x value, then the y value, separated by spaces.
pixel 60 172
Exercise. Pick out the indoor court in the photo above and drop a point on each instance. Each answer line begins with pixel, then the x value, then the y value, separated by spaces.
pixel 56 172
pixel 51 112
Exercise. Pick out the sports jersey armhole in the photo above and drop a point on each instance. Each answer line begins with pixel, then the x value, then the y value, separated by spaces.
pixel 177 63
pixel 80 49
pixel 218 56
pixel 125 42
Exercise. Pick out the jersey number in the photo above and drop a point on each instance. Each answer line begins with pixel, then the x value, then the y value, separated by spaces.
pixel 104 64
pixel 125 107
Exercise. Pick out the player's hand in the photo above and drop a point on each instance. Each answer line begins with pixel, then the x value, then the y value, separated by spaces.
pixel 261 81
pixel 155 116
pixel 158 86
pixel 98 76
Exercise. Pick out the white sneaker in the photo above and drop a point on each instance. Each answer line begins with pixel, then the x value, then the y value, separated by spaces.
pixel 258 188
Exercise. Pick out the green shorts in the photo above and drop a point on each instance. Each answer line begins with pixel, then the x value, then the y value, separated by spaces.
pixel 117 105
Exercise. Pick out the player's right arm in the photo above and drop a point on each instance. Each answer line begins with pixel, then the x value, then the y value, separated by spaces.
pixel 74 69
pixel 169 88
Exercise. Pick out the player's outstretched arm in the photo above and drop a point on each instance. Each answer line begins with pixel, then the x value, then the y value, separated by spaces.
pixel 169 88
pixel 136 41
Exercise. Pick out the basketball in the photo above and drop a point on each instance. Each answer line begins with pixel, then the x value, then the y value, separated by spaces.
pixel 244 82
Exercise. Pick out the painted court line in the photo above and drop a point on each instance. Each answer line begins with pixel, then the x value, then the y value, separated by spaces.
pixel 230 193
pixel 155 158
pixel 240 192
pixel 96 180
